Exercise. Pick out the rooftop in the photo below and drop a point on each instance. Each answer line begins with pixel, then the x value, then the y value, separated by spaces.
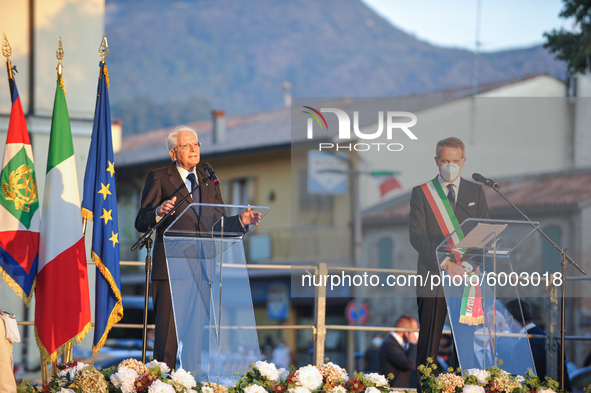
pixel 272 129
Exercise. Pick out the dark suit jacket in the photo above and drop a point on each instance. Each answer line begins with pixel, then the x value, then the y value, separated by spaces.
pixel 163 184
pixel 424 231
pixel 394 359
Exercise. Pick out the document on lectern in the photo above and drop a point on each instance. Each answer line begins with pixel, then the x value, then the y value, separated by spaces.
pixel 481 235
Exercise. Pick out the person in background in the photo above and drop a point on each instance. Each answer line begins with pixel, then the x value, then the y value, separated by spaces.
pixel 398 354
pixel 267 349
pixel 283 356
pixel 371 356
pixel 519 323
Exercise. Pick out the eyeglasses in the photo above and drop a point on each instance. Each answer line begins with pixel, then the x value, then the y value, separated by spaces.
pixel 188 145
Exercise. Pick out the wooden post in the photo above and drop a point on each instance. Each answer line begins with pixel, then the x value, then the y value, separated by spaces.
pixel 320 313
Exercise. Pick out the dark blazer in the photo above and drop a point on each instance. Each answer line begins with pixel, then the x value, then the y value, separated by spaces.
pixel 394 359
pixel 162 184
pixel 424 231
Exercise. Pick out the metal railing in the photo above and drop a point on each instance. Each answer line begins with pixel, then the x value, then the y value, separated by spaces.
pixel 320 328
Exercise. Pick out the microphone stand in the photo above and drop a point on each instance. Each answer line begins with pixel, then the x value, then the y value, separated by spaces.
pixel 566 259
pixel 146 240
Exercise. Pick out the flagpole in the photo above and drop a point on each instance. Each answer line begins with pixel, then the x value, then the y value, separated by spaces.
pixel 7 52
pixel 60 55
pixel 103 52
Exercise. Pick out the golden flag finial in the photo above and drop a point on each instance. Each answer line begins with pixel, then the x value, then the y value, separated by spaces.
pixel 59 53
pixel 104 48
pixel 7 52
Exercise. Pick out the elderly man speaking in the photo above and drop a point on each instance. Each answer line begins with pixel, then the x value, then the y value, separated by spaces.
pixel 162 189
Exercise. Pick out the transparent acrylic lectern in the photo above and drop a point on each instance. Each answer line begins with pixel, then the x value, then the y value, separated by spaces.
pixel 483 329
pixel 212 303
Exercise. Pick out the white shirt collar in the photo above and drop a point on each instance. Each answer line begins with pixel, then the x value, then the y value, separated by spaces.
pixel 444 183
pixel 184 173
pixel 527 327
pixel 399 339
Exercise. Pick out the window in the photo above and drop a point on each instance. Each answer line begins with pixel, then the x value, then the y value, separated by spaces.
pixel 239 191
pixel 550 256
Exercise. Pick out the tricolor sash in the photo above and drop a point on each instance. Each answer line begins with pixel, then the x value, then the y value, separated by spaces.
pixel 471 309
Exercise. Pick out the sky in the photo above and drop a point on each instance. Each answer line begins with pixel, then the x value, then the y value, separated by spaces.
pixel 504 24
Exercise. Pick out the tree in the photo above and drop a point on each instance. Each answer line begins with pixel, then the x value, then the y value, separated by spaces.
pixel 573 47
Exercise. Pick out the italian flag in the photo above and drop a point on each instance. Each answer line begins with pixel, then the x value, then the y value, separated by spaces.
pixel 386 181
pixel 62 311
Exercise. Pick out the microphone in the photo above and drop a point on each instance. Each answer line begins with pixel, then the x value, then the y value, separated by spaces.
pixel 489 182
pixel 211 173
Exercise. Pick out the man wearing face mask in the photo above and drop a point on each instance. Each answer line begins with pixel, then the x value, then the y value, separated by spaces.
pixel 436 209
pixel 370 358
pixel 398 354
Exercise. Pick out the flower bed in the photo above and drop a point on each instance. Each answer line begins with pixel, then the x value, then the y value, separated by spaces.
pixel 132 376
pixel 491 380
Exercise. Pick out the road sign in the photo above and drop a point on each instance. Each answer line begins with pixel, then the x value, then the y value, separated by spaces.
pixel 351 313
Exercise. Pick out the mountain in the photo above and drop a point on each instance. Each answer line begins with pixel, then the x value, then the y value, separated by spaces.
pixel 195 55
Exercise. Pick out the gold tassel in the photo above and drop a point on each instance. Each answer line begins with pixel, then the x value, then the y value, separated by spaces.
pixel 117 312
pixel 472 321
pixel 16 288
pixel 61 350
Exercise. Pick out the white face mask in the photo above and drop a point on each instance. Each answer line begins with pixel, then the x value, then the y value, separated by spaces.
pixel 376 341
pixel 450 172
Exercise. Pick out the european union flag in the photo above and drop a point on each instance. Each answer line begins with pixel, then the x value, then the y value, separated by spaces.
pixel 99 204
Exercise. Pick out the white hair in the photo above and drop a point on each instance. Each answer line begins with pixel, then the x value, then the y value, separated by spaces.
pixel 172 138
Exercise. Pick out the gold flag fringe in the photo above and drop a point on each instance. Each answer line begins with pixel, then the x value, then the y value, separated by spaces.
pixel 61 350
pixel 17 288
pixel 87 214
pixel 106 73
pixel 61 80
pixel 117 312
pixel 472 321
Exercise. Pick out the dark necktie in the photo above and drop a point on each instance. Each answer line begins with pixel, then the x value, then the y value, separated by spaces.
pixel 451 196
pixel 193 180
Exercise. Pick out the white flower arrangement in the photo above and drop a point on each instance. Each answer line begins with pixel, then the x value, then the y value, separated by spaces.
pixel 378 379
pixel 474 380
pixel 159 386
pixel 268 370
pixel 183 379
pixel 254 389
pixel 132 376
pixel 339 389
pixel 71 372
pixel 124 379
pixel 480 375
pixel 473 389
pixel 309 377
pixel 158 367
